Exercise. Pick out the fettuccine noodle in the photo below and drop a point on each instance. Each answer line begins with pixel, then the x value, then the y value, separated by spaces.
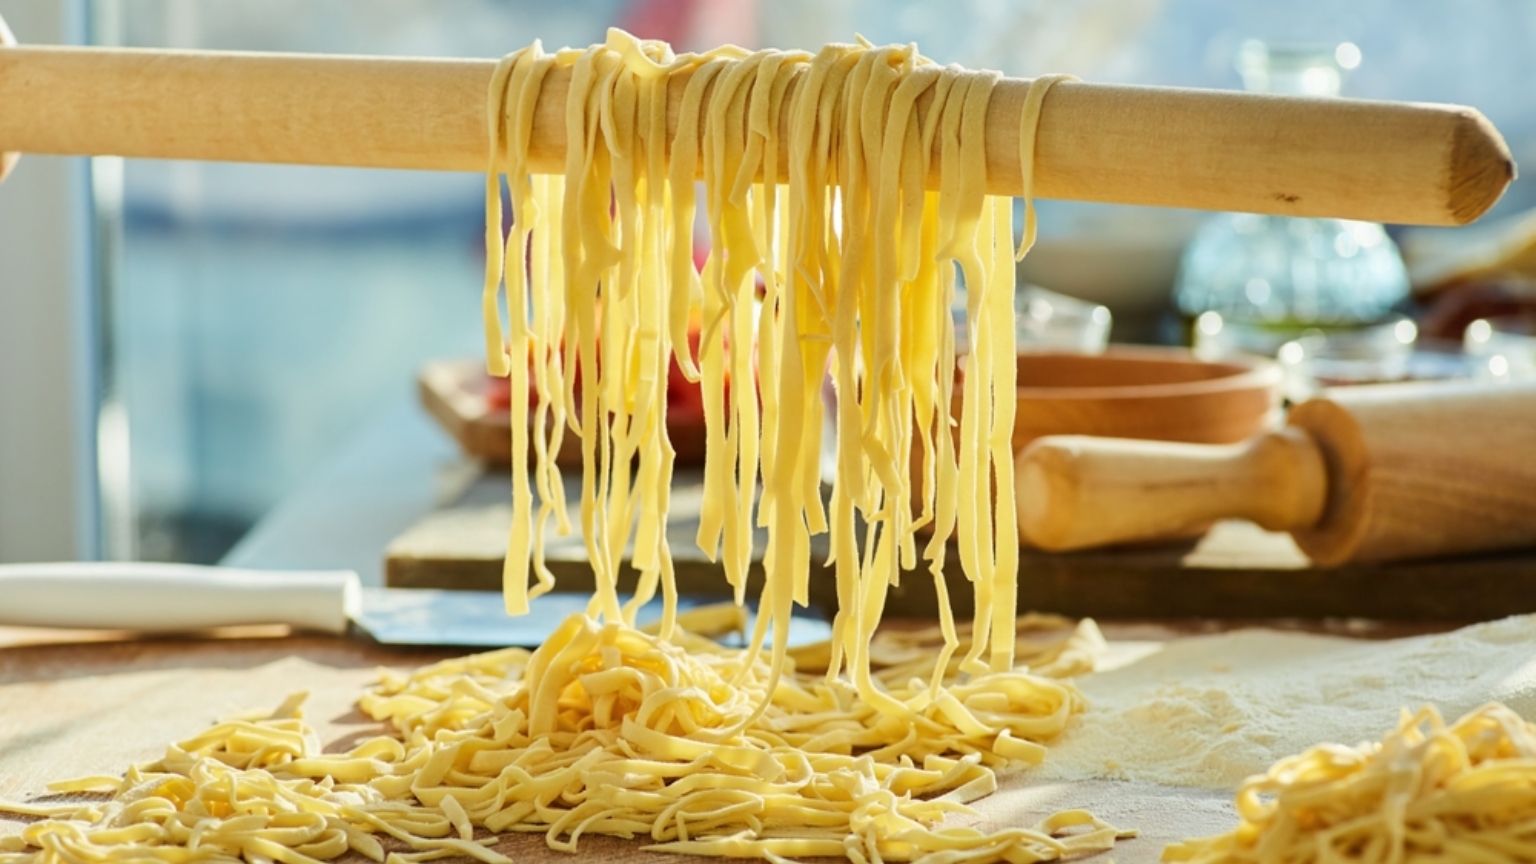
pixel 1428 792
pixel 865 748
pixel 624 754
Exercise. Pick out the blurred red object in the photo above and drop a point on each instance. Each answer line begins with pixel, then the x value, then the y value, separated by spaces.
pixel 498 393
pixel 693 25
pixel 685 404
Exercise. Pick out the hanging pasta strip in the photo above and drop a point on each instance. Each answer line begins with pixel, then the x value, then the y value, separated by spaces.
pixel 851 491
pixel 634 388
pixel 490 311
pixel 821 256
pixel 545 266
pixel 590 254
pixel 772 238
pixel 894 207
pixel 879 310
pixel 731 259
pixel 801 353
pixel 744 259
pixel 535 235
pixel 967 138
pixel 687 291
pixel 1029 126
pixel 503 344
pixel 997 243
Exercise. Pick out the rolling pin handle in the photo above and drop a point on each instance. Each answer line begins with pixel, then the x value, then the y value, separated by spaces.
pixel 1077 492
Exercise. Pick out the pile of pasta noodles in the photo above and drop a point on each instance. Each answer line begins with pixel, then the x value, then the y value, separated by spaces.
pixel 605 729
pixel 844 266
pixel 859 263
pixel 1428 792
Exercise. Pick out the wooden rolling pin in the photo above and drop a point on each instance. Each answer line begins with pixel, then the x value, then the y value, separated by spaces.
pixel 1216 150
pixel 1371 473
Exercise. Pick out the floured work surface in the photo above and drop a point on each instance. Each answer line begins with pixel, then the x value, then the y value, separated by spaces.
pixel 69 710
pixel 1236 571
pixel 1175 720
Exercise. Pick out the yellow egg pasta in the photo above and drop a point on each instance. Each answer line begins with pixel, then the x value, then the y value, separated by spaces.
pixel 1427 792
pixel 603 729
pixel 830 260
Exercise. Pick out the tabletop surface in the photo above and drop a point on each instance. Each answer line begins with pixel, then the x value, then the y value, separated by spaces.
pixel 76 704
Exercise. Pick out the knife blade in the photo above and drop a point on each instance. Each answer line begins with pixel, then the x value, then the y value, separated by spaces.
pixel 163 598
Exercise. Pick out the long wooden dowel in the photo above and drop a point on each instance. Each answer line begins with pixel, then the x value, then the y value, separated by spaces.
pixel 1216 150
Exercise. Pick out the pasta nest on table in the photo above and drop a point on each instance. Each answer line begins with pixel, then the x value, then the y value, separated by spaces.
pixel 1428 792
pixel 604 729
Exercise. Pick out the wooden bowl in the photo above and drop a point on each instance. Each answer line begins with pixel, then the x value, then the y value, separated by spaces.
pixel 1163 394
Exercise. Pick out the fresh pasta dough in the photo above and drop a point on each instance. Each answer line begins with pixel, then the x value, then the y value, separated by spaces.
pixel 637 741
pixel 842 266
pixel 858 264
pixel 1428 792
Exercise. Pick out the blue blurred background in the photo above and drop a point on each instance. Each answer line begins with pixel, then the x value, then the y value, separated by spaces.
pixel 257 316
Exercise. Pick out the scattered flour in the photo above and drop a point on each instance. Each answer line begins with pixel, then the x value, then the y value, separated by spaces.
pixel 1210 711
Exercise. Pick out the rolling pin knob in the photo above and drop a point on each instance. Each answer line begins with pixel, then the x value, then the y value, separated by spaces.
pixel 1422 469
pixel 1077 491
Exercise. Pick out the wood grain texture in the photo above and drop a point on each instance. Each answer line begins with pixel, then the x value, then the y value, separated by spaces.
pixel 1077 492
pixel 72 709
pixel 1423 469
pixel 1217 150
pixel 1387 472
pixel 1236 570
pixel 1165 394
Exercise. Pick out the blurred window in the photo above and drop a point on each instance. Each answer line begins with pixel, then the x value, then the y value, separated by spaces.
pixel 260 315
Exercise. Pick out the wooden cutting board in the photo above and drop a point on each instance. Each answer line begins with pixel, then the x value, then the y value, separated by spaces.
pixel 1236 570
pixel 77 708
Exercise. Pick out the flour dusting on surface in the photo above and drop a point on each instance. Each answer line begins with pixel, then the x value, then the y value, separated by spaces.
pixel 1210 711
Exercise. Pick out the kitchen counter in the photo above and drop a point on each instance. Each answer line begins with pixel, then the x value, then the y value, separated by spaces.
pixel 76 704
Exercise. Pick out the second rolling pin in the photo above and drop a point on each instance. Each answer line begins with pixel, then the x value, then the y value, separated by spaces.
pixel 1372 473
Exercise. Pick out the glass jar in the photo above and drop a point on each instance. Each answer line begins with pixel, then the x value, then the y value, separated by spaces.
pixel 1271 278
